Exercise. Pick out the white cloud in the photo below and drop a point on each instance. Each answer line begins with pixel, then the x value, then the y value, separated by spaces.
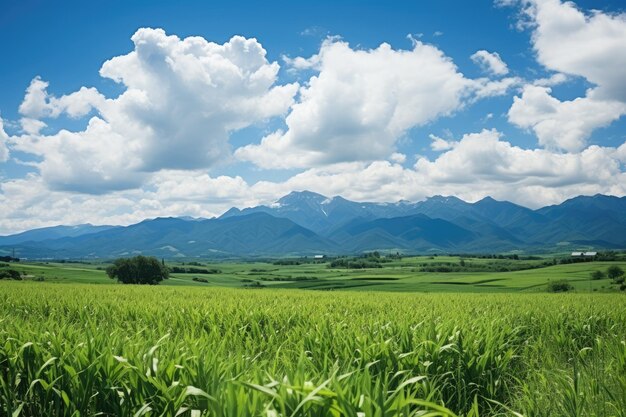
pixel 438 144
pixel 32 126
pixel 552 80
pixel 490 62
pixel 28 203
pixel 591 46
pixel 485 87
pixel 573 43
pixel 361 103
pixel 4 138
pixel 398 157
pixel 484 156
pixel 480 164
pixel 300 63
pixel 182 99
pixel 38 103
pixel 562 124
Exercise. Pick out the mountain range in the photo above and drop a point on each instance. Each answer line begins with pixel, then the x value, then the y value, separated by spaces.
pixel 307 223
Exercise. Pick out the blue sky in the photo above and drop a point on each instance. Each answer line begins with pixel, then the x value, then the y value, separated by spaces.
pixel 520 100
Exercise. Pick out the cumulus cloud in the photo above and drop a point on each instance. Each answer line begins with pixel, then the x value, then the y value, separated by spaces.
pixel 363 101
pixel 480 164
pixel 562 124
pixel 490 62
pixel 38 103
pixel 588 45
pixel 573 43
pixel 28 203
pixel 182 99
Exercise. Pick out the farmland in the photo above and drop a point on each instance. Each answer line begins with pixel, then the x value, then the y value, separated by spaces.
pixel 407 274
pixel 253 341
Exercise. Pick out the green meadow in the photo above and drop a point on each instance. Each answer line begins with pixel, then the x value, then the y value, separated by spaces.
pixel 261 339
pixel 397 275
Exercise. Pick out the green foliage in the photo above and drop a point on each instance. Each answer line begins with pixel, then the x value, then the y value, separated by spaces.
pixel 138 270
pixel 70 350
pixel 615 273
pixel 355 263
pixel 287 262
pixel 189 270
pixel 10 274
pixel 597 275
pixel 559 286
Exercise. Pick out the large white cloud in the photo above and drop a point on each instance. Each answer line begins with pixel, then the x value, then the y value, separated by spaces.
pixel 28 203
pixel 572 42
pixel 362 101
pixel 562 124
pixel 588 45
pixel 182 99
pixel 484 157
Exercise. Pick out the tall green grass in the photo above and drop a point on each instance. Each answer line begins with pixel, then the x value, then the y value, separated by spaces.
pixel 112 350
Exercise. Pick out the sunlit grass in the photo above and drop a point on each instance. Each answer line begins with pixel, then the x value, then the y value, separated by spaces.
pixel 113 350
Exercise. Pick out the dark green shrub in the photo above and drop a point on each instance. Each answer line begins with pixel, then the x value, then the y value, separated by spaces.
pixel 560 286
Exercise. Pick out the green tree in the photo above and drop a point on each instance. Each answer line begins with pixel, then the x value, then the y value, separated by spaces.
pixel 615 273
pixel 596 275
pixel 559 286
pixel 138 270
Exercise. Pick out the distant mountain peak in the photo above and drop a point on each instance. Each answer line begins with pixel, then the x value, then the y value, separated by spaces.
pixel 295 196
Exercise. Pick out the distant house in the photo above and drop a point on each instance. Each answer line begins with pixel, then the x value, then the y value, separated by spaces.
pixel 319 256
pixel 581 254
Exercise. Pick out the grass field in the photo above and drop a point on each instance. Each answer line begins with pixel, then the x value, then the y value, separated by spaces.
pixel 400 275
pixel 114 350
pixel 251 341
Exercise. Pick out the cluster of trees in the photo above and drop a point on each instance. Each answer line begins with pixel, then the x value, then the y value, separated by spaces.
pixel 10 274
pixel 189 270
pixel 466 266
pixel 368 260
pixel 9 259
pixel 287 262
pixel 138 270
pixel 491 256
pixel 614 273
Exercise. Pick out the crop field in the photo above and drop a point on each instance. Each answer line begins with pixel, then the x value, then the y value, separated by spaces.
pixel 115 350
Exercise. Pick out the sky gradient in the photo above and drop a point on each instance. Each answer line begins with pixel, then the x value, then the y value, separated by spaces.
pixel 113 112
